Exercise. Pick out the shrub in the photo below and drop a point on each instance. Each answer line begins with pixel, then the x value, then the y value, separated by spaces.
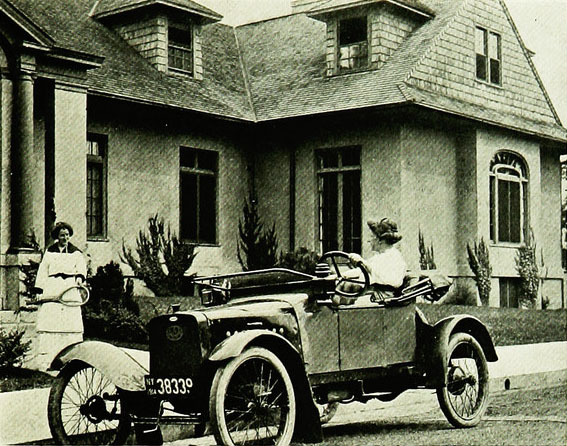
pixel 112 313
pixel 527 268
pixel 162 259
pixel 479 262
pixel 301 260
pixel 28 274
pixel 257 248
pixel 461 292
pixel 426 255
pixel 12 348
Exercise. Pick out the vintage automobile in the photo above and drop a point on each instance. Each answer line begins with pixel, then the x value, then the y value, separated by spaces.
pixel 268 358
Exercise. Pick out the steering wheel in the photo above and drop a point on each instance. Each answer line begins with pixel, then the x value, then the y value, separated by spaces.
pixel 332 256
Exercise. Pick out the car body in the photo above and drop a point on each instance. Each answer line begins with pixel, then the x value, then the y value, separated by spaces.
pixel 280 340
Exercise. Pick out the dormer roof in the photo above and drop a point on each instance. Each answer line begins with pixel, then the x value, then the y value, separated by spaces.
pixel 107 9
pixel 334 6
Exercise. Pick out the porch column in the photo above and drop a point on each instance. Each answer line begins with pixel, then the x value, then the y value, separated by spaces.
pixel 24 166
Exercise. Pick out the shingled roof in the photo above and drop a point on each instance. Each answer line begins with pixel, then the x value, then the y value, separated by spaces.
pixel 273 69
pixel 105 8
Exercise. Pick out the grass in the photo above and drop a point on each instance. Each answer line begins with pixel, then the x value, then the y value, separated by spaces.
pixel 16 378
pixel 509 326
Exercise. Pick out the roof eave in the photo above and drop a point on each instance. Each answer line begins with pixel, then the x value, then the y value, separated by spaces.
pixel 206 15
pixel 320 13
pixel 40 36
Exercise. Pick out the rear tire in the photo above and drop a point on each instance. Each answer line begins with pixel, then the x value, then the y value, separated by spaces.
pixel 78 412
pixel 252 401
pixel 463 400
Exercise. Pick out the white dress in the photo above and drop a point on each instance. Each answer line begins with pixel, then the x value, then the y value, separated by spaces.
pixel 387 268
pixel 58 325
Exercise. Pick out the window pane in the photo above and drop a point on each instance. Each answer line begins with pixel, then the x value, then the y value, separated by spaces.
pixel 351 212
pixel 94 199
pixel 504 211
pixel 492 209
pixel 515 229
pixel 480 41
pixel 495 71
pixel 481 67
pixel 494 46
pixel 189 203
pixel 207 160
pixel 351 156
pixel 207 210
pixel 178 36
pixel 328 159
pixel 352 31
pixel 329 211
pixel 187 157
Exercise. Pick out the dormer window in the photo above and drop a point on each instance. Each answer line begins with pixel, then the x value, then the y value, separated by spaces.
pixel 180 48
pixel 488 56
pixel 353 44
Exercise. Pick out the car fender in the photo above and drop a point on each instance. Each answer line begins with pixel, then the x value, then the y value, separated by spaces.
pixel 233 345
pixel 113 362
pixel 438 342
pixel 307 424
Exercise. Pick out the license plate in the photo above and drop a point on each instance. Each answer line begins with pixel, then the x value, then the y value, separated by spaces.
pixel 168 386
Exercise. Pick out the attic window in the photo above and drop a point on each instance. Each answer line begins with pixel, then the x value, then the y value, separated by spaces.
pixel 353 44
pixel 488 56
pixel 180 48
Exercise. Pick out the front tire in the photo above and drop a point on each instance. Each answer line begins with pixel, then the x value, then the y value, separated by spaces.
pixel 84 407
pixel 252 401
pixel 463 400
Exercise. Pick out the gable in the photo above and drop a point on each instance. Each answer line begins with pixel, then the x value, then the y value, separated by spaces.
pixel 447 70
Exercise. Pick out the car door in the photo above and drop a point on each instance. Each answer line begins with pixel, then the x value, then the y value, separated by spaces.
pixel 375 336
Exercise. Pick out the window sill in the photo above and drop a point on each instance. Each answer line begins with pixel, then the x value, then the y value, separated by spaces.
pixel 507 245
pixel 178 72
pixel 201 244
pixel 489 84
pixel 98 240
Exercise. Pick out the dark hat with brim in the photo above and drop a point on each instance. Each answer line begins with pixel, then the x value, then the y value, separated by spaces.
pixel 57 228
pixel 385 229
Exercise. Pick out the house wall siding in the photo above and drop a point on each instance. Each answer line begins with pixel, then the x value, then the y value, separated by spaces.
pixel 449 67
pixel 149 37
pixel 389 28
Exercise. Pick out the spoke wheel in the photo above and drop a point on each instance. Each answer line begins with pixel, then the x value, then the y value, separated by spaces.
pixel 85 408
pixel 252 401
pixel 463 400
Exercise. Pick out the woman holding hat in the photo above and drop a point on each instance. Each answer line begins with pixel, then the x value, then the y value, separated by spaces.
pixel 62 267
pixel 386 266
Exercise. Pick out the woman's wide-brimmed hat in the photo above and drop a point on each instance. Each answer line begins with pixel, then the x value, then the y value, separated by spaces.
pixel 57 228
pixel 385 229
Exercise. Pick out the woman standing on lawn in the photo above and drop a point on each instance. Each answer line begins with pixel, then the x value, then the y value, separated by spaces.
pixel 63 266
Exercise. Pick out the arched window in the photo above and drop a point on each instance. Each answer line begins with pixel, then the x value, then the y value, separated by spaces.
pixel 508 198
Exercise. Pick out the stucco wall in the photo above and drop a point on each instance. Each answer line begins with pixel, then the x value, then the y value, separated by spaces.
pixel 429 194
pixel 380 176
pixel 143 179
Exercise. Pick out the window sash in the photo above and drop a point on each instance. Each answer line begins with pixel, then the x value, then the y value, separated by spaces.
pixel 198 196
pixel 96 186
pixel 339 201
pixel 488 56
pixel 508 206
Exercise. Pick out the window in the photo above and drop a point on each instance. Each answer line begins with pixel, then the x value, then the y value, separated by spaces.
pixel 180 48
pixel 338 175
pixel 508 198
pixel 509 292
pixel 353 44
pixel 488 56
pixel 96 185
pixel 198 188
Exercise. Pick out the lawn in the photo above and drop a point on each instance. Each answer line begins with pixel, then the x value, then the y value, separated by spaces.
pixel 16 378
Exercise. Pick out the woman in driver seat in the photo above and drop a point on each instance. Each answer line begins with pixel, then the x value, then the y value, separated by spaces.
pixel 386 265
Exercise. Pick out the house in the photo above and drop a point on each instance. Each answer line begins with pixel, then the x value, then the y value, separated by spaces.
pixel 427 111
